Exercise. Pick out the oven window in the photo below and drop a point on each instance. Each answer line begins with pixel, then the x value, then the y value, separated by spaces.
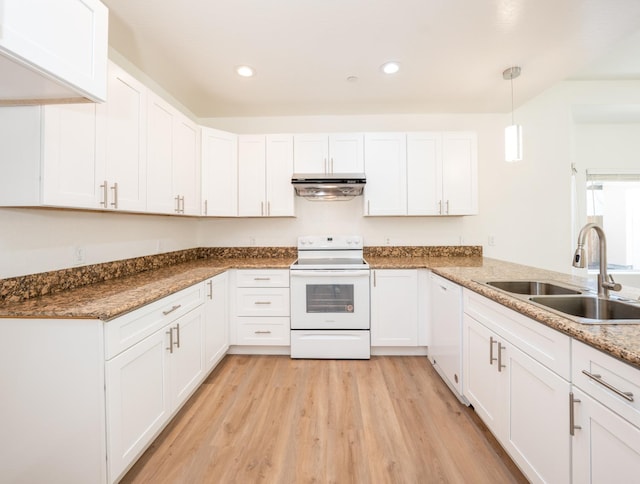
pixel 329 298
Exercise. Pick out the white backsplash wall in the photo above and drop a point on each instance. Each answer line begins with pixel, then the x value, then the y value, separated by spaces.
pixel 40 240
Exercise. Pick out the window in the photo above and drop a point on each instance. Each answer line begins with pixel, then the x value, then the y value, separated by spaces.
pixel 613 202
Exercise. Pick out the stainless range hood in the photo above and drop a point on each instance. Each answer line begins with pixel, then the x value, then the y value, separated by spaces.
pixel 340 186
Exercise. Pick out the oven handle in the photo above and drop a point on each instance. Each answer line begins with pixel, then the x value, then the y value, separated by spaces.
pixel 330 273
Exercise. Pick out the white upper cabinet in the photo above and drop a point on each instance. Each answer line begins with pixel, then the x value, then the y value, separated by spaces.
pixel 442 173
pixel 219 173
pixel 48 156
pixel 386 170
pixel 126 142
pixel 460 173
pixel 329 153
pixel 265 166
pixel 186 165
pixel 53 51
pixel 172 160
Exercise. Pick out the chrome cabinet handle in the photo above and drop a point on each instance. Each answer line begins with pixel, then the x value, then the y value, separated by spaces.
pixel 178 335
pixel 114 204
pixel 206 206
pixel 210 284
pixel 262 209
pixel 368 207
pixel 177 199
pixel 169 311
pixel 572 425
pixel 332 165
pixel 447 205
pixel 170 333
pixel 262 332
pixel 442 287
pixel 268 209
pixel 609 386
pixel 262 302
pixel 105 193
pixel 500 348
pixel 182 204
pixel 440 207
pixel 491 343
pixel 375 279
pixel 261 278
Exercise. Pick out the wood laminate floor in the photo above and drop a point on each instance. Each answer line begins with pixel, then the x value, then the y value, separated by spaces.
pixel 270 419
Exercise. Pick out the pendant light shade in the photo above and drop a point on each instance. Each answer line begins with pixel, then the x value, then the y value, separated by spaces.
pixel 512 133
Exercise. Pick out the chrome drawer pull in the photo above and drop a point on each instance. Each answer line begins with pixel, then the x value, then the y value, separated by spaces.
pixel 500 348
pixel 262 302
pixel 261 278
pixel 598 379
pixel 572 424
pixel 491 343
pixel 169 311
pixel 262 332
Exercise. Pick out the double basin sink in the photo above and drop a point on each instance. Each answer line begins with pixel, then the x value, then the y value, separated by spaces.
pixel 575 304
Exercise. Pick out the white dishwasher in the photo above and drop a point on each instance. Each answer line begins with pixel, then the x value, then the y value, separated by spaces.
pixel 445 351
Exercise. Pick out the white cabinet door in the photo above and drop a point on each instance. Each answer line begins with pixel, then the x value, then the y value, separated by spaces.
pixel 187 358
pixel 219 173
pixel 459 173
pixel 324 153
pixel 424 173
pixel 216 330
pixel 311 153
pixel 126 141
pixel 160 115
pixel 185 163
pixel 279 192
pixel 138 400
pixel 394 308
pixel 386 169
pixel 482 382
pixel 73 169
pixel 346 153
pixel 537 436
pixel 64 41
pixel 445 350
pixel 251 176
pixel 606 447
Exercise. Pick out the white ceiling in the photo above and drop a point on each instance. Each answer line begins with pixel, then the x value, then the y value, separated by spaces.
pixel 452 52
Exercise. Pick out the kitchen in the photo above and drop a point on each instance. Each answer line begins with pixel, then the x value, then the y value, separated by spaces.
pixel 512 212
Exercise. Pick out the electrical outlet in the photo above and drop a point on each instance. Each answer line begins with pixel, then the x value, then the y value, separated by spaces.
pixel 492 240
pixel 252 241
pixel 387 241
pixel 78 255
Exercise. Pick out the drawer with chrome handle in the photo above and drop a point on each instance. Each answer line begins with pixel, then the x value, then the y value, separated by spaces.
pixel 268 301
pixel 263 331
pixel 612 382
pixel 262 278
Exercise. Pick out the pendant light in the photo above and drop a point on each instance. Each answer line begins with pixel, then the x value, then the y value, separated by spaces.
pixel 513 132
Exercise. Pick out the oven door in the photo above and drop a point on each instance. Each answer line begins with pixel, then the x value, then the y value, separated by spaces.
pixel 329 299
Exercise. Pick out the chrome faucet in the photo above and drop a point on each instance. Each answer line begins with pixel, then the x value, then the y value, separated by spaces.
pixel 605 281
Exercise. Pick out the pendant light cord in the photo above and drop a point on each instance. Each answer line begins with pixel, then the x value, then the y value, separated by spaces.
pixel 512 116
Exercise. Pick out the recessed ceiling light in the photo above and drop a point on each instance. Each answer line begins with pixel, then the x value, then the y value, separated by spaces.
pixel 245 71
pixel 390 67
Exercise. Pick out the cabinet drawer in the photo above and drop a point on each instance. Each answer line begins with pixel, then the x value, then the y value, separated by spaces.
pixel 609 378
pixel 264 278
pixel 124 332
pixel 263 331
pixel 262 301
pixel 545 345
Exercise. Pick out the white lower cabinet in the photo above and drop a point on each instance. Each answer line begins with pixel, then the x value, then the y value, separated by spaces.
pixel 606 418
pixel 216 331
pixel 147 383
pixel 522 401
pixel 394 307
pixel 261 308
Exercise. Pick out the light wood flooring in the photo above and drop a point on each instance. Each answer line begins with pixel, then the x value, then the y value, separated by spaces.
pixel 270 419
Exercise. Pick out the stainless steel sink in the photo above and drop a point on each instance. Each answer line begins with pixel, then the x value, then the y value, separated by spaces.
pixel 532 288
pixel 592 309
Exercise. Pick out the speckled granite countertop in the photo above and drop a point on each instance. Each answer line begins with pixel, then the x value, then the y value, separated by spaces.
pixel 115 297
pixel 126 290
pixel 619 340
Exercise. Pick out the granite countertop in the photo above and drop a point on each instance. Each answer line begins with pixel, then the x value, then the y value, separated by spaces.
pixel 113 298
pixel 119 295
pixel 619 340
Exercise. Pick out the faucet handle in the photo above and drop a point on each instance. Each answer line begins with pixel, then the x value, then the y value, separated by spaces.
pixel 611 284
